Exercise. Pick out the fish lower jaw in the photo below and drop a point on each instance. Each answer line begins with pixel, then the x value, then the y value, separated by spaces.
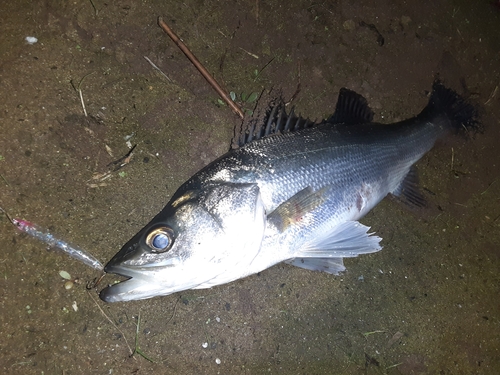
pixel 148 283
pixel 136 288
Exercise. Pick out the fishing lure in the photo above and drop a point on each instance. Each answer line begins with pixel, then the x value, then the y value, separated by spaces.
pixel 47 237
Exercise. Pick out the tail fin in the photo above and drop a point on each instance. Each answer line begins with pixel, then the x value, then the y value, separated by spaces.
pixel 461 114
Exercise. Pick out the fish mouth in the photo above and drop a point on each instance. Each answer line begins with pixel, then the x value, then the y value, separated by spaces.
pixel 125 290
pixel 140 283
pixel 143 282
pixel 139 279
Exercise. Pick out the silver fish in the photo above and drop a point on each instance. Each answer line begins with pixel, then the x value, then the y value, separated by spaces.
pixel 294 191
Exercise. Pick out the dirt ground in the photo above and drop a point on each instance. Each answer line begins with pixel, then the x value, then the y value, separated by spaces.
pixel 427 304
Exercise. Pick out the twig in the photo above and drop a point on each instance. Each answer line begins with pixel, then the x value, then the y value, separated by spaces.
pixel 154 66
pixel 298 87
pixel 264 67
pixel 366 334
pixel 250 53
pixel 3 178
pixel 394 365
pixel 93 6
pixel 173 313
pixel 114 325
pixel 83 103
pixel 257 11
pixel 123 161
pixel 200 67
pixel 495 180
pixel 80 92
pixel 137 349
pixel 492 95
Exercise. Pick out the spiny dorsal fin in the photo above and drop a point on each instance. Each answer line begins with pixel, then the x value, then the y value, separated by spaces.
pixel 351 109
pixel 277 122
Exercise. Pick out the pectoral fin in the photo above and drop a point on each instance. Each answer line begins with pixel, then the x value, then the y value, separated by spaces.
pixel 325 252
pixel 293 210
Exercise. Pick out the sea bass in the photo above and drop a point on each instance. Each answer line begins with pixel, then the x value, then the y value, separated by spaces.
pixel 293 192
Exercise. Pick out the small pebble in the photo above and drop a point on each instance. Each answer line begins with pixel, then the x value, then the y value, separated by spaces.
pixel 217 360
pixel 405 21
pixel 349 25
pixel 68 285
pixel 31 39
pixel 204 345
pixel 65 275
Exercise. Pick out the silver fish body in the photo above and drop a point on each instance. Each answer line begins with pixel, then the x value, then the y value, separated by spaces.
pixel 291 195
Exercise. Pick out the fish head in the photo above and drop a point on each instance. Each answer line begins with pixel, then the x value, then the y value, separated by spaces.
pixel 208 234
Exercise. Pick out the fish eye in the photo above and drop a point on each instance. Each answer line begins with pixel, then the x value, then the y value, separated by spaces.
pixel 160 239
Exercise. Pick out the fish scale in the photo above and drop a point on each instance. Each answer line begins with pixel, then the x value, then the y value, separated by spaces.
pixel 328 155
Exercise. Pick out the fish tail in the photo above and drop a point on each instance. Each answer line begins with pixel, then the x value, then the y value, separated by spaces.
pixel 460 113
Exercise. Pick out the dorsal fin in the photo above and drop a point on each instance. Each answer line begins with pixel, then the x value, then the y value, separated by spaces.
pixel 352 108
pixel 277 122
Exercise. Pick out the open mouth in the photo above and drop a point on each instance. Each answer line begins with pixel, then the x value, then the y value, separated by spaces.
pixel 140 283
pixel 126 290
pixel 151 279
pixel 132 288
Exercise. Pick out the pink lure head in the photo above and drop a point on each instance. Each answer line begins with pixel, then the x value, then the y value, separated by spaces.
pixel 22 224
